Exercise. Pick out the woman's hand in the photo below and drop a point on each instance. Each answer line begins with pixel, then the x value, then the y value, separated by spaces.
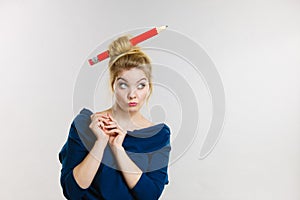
pixel 115 132
pixel 97 126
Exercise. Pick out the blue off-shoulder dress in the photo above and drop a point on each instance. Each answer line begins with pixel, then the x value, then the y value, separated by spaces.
pixel 148 147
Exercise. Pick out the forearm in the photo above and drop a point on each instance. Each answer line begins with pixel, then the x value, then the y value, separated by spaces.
pixel 130 170
pixel 85 172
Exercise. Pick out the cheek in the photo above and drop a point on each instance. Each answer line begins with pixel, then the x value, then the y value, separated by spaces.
pixel 120 95
pixel 143 94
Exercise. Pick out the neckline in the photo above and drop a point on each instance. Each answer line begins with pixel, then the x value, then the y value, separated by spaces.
pixel 149 127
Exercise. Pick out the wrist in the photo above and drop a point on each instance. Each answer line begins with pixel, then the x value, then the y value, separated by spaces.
pixel 101 142
pixel 117 149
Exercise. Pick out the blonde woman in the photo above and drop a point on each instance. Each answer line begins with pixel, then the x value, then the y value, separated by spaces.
pixel 118 154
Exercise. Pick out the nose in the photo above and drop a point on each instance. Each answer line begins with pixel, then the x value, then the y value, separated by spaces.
pixel 132 94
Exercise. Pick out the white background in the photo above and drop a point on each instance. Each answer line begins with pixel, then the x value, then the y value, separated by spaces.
pixel 255 46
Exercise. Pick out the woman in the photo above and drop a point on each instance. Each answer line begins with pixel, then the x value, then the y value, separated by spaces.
pixel 118 153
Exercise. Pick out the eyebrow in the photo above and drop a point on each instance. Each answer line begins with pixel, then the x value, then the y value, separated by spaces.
pixel 127 81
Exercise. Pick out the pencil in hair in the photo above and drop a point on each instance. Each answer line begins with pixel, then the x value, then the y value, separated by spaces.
pixel 134 41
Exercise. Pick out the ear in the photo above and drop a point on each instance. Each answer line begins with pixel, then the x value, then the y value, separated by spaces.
pixel 114 87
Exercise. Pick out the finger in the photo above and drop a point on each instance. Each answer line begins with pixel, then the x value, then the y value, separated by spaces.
pixel 114 121
pixel 94 116
pixel 105 116
pixel 102 116
pixel 110 117
pixel 111 131
pixel 111 134
pixel 116 131
pixel 116 125
pixel 103 119
pixel 98 115
pixel 111 126
pixel 101 124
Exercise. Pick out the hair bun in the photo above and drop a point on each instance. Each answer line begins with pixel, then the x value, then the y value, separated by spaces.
pixel 120 46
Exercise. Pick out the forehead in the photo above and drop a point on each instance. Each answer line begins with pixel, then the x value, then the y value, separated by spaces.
pixel 132 75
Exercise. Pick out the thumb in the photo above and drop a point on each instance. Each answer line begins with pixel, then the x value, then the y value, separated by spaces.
pixel 111 139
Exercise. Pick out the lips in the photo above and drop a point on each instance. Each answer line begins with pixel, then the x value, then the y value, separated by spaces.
pixel 132 104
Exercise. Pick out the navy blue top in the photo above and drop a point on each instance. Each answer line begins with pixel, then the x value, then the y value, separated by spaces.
pixel 149 149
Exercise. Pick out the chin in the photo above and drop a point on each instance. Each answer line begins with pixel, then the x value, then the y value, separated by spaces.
pixel 133 109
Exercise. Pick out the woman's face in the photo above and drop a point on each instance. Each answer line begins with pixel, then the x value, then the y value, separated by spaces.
pixel 131 89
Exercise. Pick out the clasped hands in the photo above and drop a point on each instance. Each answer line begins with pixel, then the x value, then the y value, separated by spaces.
pixel 106 128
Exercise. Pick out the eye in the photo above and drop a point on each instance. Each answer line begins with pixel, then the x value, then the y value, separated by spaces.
pixel 122 85
pixel 141 86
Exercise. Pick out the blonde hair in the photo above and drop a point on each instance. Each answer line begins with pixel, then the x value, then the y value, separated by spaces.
pixel 124 56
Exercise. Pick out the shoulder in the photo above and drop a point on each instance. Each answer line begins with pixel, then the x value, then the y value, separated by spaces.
pixel 162 133
pixel 165 134
pixel 148 124
pixel 165 129
pixel 83 114
pixel 80 128
pixel 82 119
pixel 104 112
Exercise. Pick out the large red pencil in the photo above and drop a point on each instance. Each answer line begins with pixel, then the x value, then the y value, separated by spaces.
pixel 134 41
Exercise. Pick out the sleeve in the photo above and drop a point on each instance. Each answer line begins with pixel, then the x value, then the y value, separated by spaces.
pixel 72 153
pixel 150 185
pixel 152 182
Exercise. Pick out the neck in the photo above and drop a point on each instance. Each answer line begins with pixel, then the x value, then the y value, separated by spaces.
pixel 125 118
